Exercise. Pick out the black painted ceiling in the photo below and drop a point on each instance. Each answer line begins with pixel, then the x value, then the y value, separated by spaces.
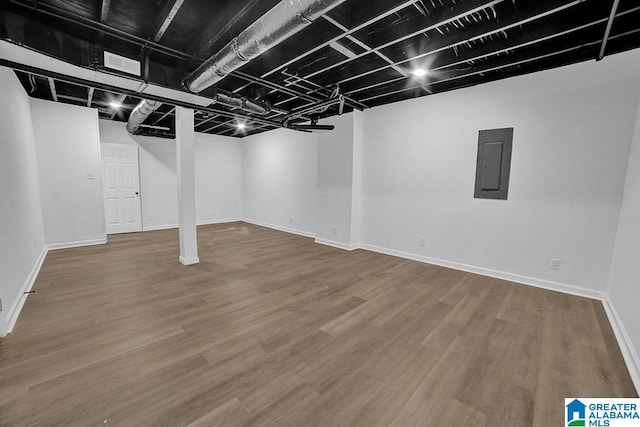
pixel 367 48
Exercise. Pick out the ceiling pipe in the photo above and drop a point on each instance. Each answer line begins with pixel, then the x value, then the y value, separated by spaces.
pixel 236 101
pixel 146 107
pixel 311 127
pixel 140 114
pixel 283 21
pixel 319 107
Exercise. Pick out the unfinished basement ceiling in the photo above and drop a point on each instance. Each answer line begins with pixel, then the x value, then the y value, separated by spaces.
pixel 361 52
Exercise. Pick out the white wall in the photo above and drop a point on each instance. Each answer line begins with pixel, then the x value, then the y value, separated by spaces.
pixel 339 181
pixel 218 178
pixel 21 229
pixel 335 180
pixel 279 180
pixel 624 284
pixel 218 172
pixel 573 128
pixel 67 147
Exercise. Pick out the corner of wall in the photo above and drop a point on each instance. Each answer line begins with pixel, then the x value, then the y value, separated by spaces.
pixel 627 348
pixel 8 323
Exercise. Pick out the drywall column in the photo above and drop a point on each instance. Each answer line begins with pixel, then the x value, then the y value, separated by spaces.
pixel 185 149
pixel 356 185
pixel 339 182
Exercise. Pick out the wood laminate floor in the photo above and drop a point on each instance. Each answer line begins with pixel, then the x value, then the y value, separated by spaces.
pixel 274 329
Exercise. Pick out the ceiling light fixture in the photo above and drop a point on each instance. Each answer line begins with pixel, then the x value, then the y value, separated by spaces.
pixel 241 126
pixel 115 105
pixel 420 72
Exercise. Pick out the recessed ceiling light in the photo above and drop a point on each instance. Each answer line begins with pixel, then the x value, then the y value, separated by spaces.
pixel 115 105
pixel 420 72
pixel 241 126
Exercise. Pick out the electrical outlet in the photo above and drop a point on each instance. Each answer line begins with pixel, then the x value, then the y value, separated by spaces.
pixel 422 242
pixel 291 220
pixel 213 214
pixel 334 230
pixel 91 175
pixel 149 218
pixel 555 264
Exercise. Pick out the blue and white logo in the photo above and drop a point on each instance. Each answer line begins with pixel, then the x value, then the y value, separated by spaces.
pixel 576 411
pixel 602 412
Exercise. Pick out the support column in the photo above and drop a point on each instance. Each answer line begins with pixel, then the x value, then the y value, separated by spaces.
pixel 356 185
pixel 185 147
pixel 340 181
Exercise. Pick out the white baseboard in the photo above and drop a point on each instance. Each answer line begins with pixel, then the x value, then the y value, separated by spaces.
pixel 339 245
pixel 280 228
pixel 189 261
pixel 540 283
pixel 628 350
pixel 158 227
pixel 219 221
pixel 54 246
pixel 207 222
pixel 16 307
pixel 18 304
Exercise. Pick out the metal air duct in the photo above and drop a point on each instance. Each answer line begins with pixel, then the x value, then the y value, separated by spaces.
pixel 245 104
pixel 283 21
pixel 140 114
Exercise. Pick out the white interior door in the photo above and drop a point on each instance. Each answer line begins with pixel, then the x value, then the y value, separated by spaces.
pixel 122 188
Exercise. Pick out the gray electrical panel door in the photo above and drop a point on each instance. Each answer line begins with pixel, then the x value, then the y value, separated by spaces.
pixel 494 163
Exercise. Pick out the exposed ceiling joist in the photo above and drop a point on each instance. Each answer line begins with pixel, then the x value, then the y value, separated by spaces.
pixel 453 15
pixel 351 31
pixel 385 58
pixel 607 32
pixel 52 87
pixel 459 39
pixel 489 69
pixel 219 125
pixel 88 23
pixel 527 40
pixel 213 33
pixel 90 96
pixel 364 50
pixel 104 10
pixel 79 20
pixel 467 8
pixel 207 120
pixel 167 17
pixel 14 57
pixel 165 115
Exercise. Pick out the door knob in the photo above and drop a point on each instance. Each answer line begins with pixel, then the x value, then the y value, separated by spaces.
pixel 137 193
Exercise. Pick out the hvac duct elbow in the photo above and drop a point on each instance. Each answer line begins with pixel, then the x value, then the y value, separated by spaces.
pixel 140 114
pixel 283 21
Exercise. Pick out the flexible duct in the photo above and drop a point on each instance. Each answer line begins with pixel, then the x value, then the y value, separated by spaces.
pixel 281 22
pixel 245 104
pixel 140 114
